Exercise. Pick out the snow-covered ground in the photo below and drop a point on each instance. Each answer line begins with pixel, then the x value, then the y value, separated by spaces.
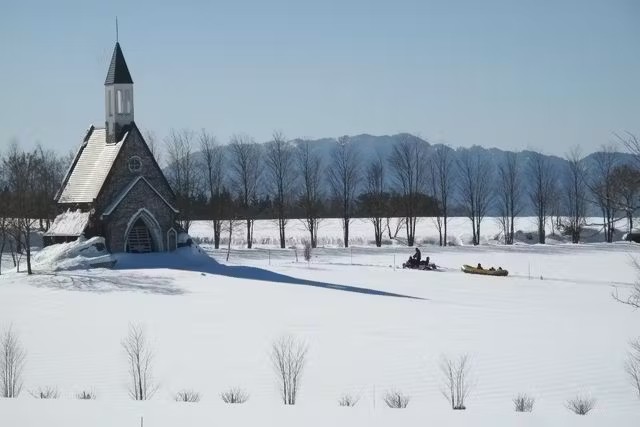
pixel 550 329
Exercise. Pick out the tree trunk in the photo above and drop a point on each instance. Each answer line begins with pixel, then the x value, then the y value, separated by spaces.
pixel 281 226
pixel 27 243
pixel 249 236
pixel 217 229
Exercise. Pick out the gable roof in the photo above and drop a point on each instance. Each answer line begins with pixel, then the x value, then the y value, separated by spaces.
pixel 118 70
pixel 109 209
pixel 90 168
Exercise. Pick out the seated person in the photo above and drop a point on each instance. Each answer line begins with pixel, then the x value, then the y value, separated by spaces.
pixel 479 267
pixel 492 269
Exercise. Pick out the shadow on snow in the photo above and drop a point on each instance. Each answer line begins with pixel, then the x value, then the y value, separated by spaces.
pixel 185 259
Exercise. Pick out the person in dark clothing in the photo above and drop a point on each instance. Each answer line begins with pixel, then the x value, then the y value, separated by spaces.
pixel 479 267
pixel 414 261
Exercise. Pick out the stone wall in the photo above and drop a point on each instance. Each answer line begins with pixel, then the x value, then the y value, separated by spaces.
pixel 120 176
pixel 141 196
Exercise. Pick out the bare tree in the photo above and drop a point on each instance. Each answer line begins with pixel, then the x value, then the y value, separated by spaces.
pixel 396 399
pixel 310 167
pixel 543 177
pixel 234 395
pixel 632 365
pixel 457 384
pixel 626 189
pixel 375 199
pixel 603 189
pixel 140 355
pixel 509 181
pixel 152 142
pixel 289 356
pixel 442 165
pixel 633 298
pixel 246 171
pixel 213 160
pixel 580 404
pixel 632 143
pixel 12 361
pixel 348 400
pixel 523 403
pixel 576 191
pixel 86 395
pixel 189 396
pixel 344 179
pixel 280 160
pixel 21 173
pixel 183 173
pixel 408 161
pixel 475 181
pixel 45 393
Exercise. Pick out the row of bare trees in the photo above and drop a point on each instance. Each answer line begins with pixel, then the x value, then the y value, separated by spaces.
pixel 291 180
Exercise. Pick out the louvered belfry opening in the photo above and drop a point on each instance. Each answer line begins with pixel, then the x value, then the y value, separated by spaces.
pixel 139 239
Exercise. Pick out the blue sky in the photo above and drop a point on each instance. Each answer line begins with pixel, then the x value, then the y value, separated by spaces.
pixel 522 74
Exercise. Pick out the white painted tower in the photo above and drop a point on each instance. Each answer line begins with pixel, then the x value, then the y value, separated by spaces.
pixel 118 95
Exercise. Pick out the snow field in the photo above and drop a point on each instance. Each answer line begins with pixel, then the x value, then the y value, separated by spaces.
pixel 212 328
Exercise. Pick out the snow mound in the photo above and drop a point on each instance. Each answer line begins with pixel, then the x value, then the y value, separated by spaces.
pixel 79 254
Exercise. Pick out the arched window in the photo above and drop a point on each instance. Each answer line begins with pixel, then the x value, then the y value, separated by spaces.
pixel 119 102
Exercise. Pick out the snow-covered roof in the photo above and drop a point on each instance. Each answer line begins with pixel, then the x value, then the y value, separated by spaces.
pixel 128 188
pixel 91 169
pixel 69 223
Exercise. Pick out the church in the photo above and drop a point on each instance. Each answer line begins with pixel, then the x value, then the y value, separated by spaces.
pixel 114 188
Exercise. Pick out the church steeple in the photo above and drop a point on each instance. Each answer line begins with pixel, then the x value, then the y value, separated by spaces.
pixel 118 96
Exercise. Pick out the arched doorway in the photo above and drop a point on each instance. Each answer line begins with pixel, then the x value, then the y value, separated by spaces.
pixel 143 234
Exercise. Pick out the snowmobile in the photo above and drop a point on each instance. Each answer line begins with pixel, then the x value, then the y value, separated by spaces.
pixel 424 265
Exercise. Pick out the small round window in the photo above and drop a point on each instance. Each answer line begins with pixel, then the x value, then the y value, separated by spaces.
pixel 135 164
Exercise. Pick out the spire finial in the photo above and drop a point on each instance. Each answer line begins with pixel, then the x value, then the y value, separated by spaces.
pixel 117 29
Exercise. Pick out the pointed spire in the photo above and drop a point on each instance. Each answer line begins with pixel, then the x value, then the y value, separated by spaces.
pixel 118 70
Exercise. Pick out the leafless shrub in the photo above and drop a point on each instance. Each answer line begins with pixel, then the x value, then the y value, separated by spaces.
pixel 142 385
pixel 523 403
pixel 288 356
pixel 581 405
pixel 457 385
pixel 45 393
pixel 348 400
pixel 12 360
pixel 396 399
pixel 307 251
pixel 633 297
pixel 632 366
pixel 187 396
pixel 234 395
pixel 86 395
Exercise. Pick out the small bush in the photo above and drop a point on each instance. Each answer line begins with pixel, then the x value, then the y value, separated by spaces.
pixel 396 399
pixel 581 405
pixel 348 400
pixel 307 251
pixel 86 395
pixel 523 403
pixel 187 396
pixel 45 393
pixel 234 395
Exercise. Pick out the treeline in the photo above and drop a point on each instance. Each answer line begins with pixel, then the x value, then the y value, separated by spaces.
pixel 282 179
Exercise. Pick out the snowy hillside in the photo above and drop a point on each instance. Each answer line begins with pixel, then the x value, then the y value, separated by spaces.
pixel 551 329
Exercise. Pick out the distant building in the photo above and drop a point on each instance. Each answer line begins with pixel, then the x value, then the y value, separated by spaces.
pixel 114 187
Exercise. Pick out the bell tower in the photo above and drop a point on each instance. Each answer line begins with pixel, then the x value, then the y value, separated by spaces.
pixel 118 94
